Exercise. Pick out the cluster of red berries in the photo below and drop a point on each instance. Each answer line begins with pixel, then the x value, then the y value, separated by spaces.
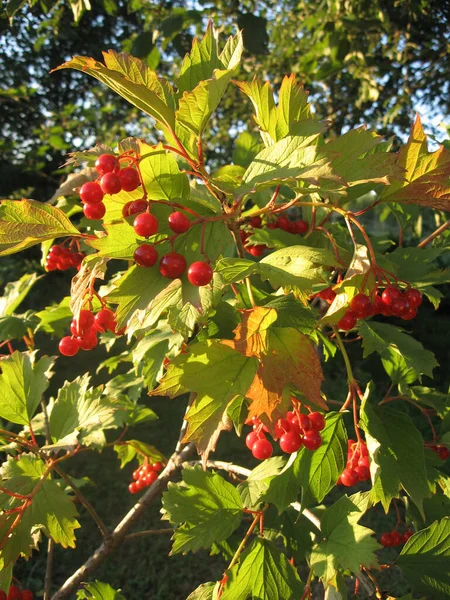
pixel 392 303
pixel 14 593
pixel 358 465
pixel 60 258
pixel 395 538
pixel 282 222
pixel 113 179
pixel 145 476
pixel 85 330
pixel 293 432
pixel 442 451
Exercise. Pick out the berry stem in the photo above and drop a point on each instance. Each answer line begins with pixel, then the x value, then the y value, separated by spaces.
pixel 250 530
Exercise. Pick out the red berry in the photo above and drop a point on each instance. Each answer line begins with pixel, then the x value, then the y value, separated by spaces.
pixel 110 183
pixel 251 439
pixel 390 294
pixel 85 320
pixel 129 179
pixel 133 488
pixel 26 595
pixel 305 422
pixel 200 273
pixel 378 305
pixel 55 250
pixel 262 449
pixel 88 340
pixel 145 224
pixel 145 255
pixel 14 593
pixel 283 223
pixel 68 346
pixel 150 478
pixel 397 538
pixel 443 452
pixel 290 442
pixel 312 439
pixel 104 320
pixel 136 474
pixel 386 540
pixel 361 305
pixel 410 313
pixel 172 265
pixel 407 535
pixel 140 483
pixel 300 227
pixel 3 595
pixel 348 321
pixel 399 306
pixel 178 222
pixel 328 294
pixel 414 297
pixel 94 211
pixel 134 207
pixel 282 427
pixel 158 467
pixel 257 250
pixel 294 424
pixel 106 163
pixel 363 473
pixel 256 222
pixel 91 193
pixel 317 421
pixel 364 462
pixel 349 477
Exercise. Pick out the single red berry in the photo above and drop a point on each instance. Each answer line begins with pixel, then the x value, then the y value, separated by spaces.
pixel 386 540
pixel 55 250
pixel 361 305
pixel 200 273
pixel 145 224
pixel 363 473
pixel 362 447
pixel 282 427
pixel 251 439
pixel 294 424
pixel 26 595
pixel 305 422
pixel 136 474
pixel 178 222
pixel 145 255
pixel 104 320
pixel 3 595
pixel 110 183
pixel 85 320
pixel 283 223
pixel 256 222
pixel 317 421
pixel 158 467
pixel 409 314
pixel 68 346
pixel 106 163
pixel 399 306
pixel 150 478
pixel 390 294
pixel 443 452
pixel 262 449
pixel 364 462
pixel 13 593
pixel 91 193
pixel 312 439
pixel 414 297
pixel 377 305
pixel 129 179
pixel 94 211
pixel 257 250
pixel 135 207
pixel 140 484
pixel 290 442
pixel 88 340
pixel 397 538
pixel 407 535
pixel 133 488
pixel 172 265
pixel 349 477
pixel 300 226
pixel 328 294
pixel 348 321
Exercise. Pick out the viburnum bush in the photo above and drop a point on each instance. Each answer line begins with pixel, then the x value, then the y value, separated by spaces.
pixel 232 286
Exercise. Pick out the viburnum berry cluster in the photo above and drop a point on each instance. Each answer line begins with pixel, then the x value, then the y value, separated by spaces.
pixel 60 258
pixel 85 330
pixel 358 464
pixel 442 451
pixel 145 476
pixel 15 593
pixel 395 538
pixel 293 431
pixel 281 222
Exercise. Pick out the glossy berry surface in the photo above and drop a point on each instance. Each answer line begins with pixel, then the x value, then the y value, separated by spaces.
pixel 397 538
pixel 312 439
pixel 3 595
pixel 262 449
pixel 85 320
pixel 110 183
pixel 200 273
pixel 91 192
pixel 317 421
pixel 145 255
pixel 386 540
pixel 88 340
pixel 349 477
pixel 145 224
pixel 361 305
pixel 390 294
pixel 129 179
pixel 172 265
pixel 68 346
pixel 13 593
pixel 106 163
pixel 414 298
pixel 399 306
pixel 257 250
pixel 328 294
pixel 104 320
pixel 94 211
pixel 348 321
pixel 135 207
pixel 251 439
pixel 26 595
pixel 300 226
pixel 178 222
pixel 290 442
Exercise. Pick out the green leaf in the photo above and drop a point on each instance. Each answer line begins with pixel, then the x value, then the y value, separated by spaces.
pixel 120 241
pixel 246 147
pixel 99 591
pixel 161 174
pixel 425 559
pixel 15 292
pixel 397 455
pixel 203 592
pixel 24 223
pixel 345 545
pixel 127 451
pixel 12 7
pixel 133 80
pixel 205 508
pixel 263 573
pixel 56 319
pixel 403 357
pixel 237 411
pixel 16 327
pixel 22 383
pixel 254 487
pixel 235 269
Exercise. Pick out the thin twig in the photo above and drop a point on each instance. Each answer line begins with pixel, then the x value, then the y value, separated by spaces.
pixel 49 570
pixel 184 424
pixel 434 235
pixel 146 532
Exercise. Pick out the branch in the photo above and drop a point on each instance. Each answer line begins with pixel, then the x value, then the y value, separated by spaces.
pixel 146 532
pixel 49 570
pixel 120 532
pixel 434 235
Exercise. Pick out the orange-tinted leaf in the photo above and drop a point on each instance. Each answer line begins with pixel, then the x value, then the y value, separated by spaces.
pixel 251 335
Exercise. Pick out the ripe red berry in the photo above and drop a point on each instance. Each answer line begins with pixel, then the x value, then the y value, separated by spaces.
pixel 133 488
pixel 3 595
pixel 361 305
pixel 386 540
pixel 300 227
pixel 283 223
pixel 328 294
pixel 55 250
pixel 106 163
pixel 178 222
pixel 282 427
pixel 294 424
pixel 172 265
pixel 68 346
pixel 88 340
pixel 317 421
pixel 94 211
pixel 364 462
pixel 407 535
pixel 104 320
pixel 349 477
pixel 257 250
pixel 262 449
pixel 136 474
pixel 443 452
pixel 26 595
pixel 150 478
pixel 110 183
pixel 414 297
pixel 13 593
pixel 251 439
pixel 348 321
pixel 312 439
pixel 129 179
pixel 397 538
pixel 85 320
pixel 134 207
pixel 158 467
pixel 363 473
pixel 410 313
pixel 256 222
pixel 145 224
pixel 91 193
pixel 378 305
pixel 390 294
pixel 145 255
pixel 200 273
pixel 399 306
pixel 290 442
pixel 305 422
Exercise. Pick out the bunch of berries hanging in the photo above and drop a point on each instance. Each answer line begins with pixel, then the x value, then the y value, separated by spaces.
pixel 14 593
pixel 297 226
pixel 85 330
pixel 60 258
pixel 358 464
pixel 395 538
pixel 145 476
